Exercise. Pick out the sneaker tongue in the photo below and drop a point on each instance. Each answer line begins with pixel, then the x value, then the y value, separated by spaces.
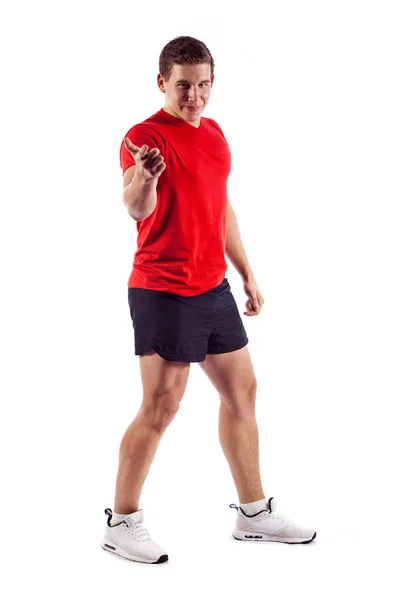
pixel 136 517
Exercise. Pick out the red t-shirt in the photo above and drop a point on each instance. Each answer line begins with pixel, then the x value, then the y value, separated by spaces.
pixel 181 245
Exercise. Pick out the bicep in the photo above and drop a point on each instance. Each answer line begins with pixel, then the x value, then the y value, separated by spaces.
pixel 128 175
pixel 127 178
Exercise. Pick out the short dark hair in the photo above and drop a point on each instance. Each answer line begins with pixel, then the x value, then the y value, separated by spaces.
pixel 182 50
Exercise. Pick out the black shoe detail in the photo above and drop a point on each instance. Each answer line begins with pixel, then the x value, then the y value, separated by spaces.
pixel 279 541
pixel 245 514
pixel 109 514
pixel 163 558
pixel 308 541
pixel 303 542
pixel 266 509
pixel 252 537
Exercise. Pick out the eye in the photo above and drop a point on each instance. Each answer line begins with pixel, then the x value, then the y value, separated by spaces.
pixel 179 84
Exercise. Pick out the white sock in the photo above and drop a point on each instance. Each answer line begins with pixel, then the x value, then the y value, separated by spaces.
pixel 254 507
pixel 116 518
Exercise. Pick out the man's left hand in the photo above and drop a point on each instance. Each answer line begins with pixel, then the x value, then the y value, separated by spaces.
pixel 255 302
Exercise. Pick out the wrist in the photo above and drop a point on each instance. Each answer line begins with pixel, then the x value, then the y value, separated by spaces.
pixel 248 276
pixel 142 181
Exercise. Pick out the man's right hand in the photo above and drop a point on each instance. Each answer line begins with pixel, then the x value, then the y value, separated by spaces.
pixel 149 165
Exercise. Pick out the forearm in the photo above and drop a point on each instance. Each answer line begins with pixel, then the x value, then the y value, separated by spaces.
pixel 234 248
pixel 140 197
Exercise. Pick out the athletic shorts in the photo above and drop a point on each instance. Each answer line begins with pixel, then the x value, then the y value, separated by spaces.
pixel 183 328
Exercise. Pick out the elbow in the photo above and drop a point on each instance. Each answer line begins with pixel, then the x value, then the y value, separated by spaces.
pixel 136 216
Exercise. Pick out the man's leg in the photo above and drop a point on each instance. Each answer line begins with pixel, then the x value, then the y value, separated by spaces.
pixel 164 383
pixel 233 377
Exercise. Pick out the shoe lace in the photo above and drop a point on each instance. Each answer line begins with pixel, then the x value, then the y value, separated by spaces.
pixel 271 513
pixel 139 532
pixel 278 516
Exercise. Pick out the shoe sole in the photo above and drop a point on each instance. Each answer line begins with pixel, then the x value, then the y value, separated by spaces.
pixel 249 536
pixel 118 551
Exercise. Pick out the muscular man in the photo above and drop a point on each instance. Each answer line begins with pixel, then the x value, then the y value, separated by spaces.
pixel 175 168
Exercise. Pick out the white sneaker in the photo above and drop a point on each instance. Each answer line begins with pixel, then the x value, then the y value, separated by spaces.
pixel 269 526
pixel 131 540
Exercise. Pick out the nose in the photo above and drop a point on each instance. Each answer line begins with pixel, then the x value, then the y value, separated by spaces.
pixel 193 95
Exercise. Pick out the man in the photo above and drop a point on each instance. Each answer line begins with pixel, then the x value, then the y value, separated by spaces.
pixel 175 168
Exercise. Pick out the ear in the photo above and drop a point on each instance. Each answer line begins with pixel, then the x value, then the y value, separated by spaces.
pixel 160 82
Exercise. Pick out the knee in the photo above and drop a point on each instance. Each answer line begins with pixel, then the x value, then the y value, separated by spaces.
pixel 160 409
pixel 242 402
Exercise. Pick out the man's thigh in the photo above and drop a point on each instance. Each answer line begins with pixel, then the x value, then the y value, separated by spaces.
pixel 231 373
pixel 161 376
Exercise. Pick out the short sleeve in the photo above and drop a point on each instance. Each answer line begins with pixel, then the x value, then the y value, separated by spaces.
pixel 140 134
pixel 219 129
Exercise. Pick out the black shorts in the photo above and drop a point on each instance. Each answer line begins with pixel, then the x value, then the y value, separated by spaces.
pixel 186 328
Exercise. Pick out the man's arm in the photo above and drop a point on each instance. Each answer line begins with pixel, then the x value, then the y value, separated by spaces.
pixel 234 247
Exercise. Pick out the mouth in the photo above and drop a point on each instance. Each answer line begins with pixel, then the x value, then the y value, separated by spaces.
pixel 192 108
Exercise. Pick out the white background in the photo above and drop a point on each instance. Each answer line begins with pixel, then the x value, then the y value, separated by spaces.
pixel 307 94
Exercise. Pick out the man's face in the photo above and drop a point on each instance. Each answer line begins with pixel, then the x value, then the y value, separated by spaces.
pixel 187 91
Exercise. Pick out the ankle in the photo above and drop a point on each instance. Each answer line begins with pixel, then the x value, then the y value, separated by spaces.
pixel 125 510
pixel 253 507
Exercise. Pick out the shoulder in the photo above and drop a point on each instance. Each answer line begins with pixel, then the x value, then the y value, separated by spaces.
pixel 212 124
pixel 145 132
pixel 144 128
